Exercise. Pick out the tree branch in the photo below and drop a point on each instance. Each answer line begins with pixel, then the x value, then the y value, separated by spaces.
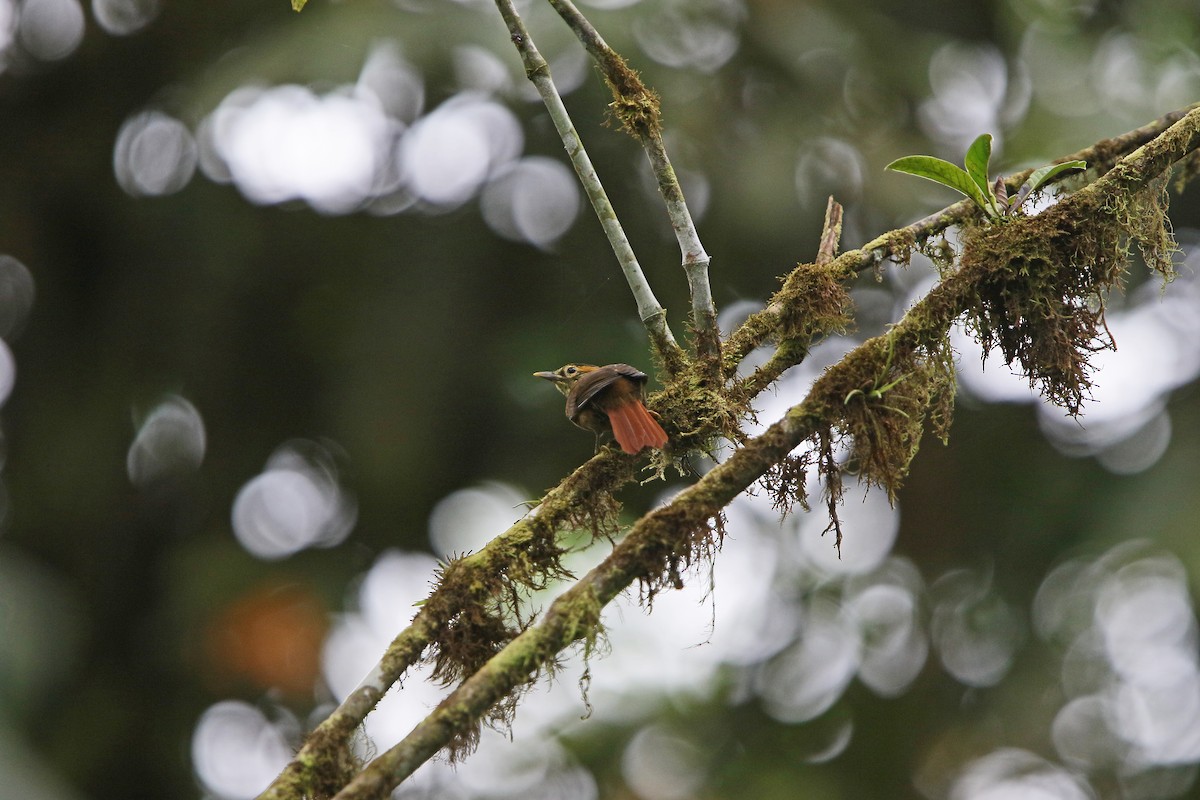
pixel 897 244
pixel 638 108
pixel 688 528
pixel 650 311
pixel 791 351
pixel 486 573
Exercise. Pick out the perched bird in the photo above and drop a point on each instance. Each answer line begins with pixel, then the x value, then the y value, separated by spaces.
pixel 600 399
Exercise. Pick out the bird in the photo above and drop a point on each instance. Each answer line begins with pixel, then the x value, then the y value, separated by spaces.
pixel 609 398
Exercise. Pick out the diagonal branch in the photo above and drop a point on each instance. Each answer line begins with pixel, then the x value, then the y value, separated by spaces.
pixel 684 529
pixel 653 539
pixel 650 311
pixel 897 244
pixel 603 473
pixel 609 470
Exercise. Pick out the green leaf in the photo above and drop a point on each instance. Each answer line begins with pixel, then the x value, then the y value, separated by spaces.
pixel 943 172
pixel 979 156
pixel 298 5
pixel 1040 177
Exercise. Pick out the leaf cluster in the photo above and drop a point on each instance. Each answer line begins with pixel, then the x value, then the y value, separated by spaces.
pixel 990 196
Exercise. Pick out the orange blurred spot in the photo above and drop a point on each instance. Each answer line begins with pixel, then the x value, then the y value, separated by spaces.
pixel 271 636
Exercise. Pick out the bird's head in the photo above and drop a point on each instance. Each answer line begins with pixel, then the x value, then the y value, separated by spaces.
pixel 565 376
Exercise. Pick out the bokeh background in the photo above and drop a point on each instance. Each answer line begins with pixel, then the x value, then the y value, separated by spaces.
pixel 271 290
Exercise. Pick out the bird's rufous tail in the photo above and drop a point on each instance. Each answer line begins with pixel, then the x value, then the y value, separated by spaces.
pixel 634 427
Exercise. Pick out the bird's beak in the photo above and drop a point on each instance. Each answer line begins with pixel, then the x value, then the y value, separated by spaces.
pixel 550 376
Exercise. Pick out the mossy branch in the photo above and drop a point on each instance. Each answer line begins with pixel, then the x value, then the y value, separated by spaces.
pixel 650 311
pixel 825 304
pixel 526 555
pixel 884 420
pixel 770 323
pixel 880 395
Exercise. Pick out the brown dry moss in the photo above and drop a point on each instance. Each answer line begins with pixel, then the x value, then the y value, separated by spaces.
pixel 477 627
pixel 786 482
pixel 487 616
pixel 1041 283
pixel 580 614
pixel 637 107
pixel 479 597
pixel 676 540
pixel 586 501
pixel 888 390
pixel 480 601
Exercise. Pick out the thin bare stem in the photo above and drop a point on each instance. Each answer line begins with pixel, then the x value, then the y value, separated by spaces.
pixel 792 351
pixel 831 233
pixel 638 109
pixel 650 311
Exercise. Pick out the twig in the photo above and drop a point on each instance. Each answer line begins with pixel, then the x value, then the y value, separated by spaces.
pixel 831 234
pixel 650 311
pixel 638 109
pixel 792 351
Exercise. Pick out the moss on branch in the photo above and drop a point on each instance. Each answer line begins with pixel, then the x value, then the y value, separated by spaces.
pixel 1032 287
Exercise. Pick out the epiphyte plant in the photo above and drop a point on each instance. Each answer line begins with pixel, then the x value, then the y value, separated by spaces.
pixel 991 197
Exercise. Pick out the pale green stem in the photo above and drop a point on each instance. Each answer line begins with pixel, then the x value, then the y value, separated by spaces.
pixel 696 261
pixel 650 311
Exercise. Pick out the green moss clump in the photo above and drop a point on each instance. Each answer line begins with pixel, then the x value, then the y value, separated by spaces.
pixel 1041 283
pixel 942 253
pixel 694 413
pixel 882 397
pixel 813 302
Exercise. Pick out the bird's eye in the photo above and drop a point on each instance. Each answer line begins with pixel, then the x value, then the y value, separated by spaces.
pixel 570 370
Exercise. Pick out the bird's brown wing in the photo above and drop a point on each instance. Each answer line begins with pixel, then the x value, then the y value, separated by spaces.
pixel 597 381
